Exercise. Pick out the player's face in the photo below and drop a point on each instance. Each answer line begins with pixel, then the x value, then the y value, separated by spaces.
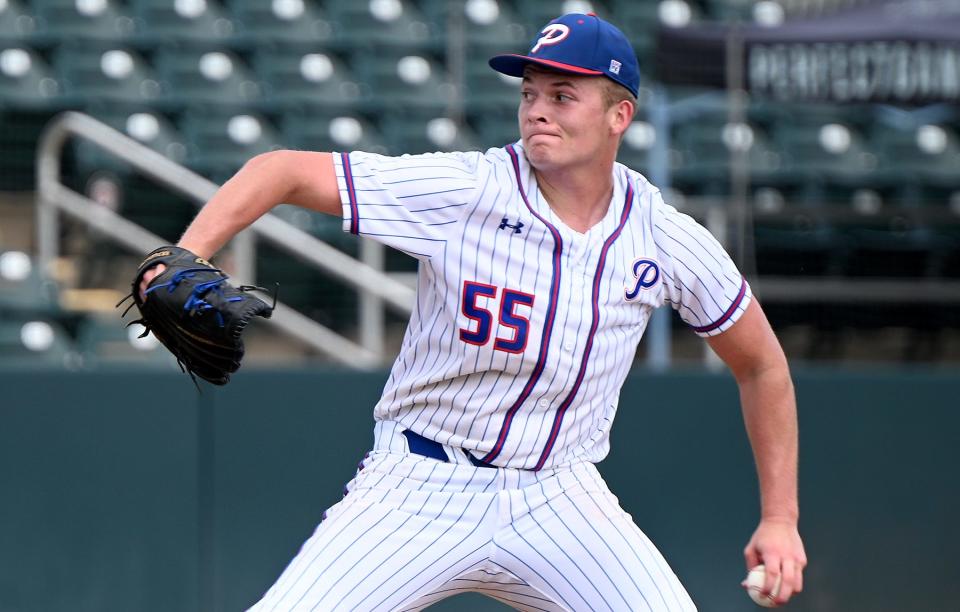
pixel 563 119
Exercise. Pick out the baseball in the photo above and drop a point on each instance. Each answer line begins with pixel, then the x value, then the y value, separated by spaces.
pixel 754 586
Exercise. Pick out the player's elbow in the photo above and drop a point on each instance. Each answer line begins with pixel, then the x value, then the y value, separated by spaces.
pixel 772 372
pixel 270 170
pixel 274 171
pixel 276 164
pixel 258 163
pixel 303 178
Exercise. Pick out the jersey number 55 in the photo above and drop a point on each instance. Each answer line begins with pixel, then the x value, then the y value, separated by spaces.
pixel 475 303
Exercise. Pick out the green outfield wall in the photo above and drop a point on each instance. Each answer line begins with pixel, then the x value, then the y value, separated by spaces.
pixel 131 492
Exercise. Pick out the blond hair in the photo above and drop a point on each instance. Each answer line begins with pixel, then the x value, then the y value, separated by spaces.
pixel 614 93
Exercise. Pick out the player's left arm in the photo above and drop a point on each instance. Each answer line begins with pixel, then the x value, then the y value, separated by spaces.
pixel 752 352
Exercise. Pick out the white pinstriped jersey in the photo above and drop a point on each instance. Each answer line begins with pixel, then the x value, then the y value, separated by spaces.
pixel 524 330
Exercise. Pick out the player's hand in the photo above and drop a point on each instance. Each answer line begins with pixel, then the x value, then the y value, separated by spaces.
pixel 148 276
pixel 776 543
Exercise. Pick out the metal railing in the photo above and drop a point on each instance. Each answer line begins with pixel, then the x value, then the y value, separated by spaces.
pixel 377 289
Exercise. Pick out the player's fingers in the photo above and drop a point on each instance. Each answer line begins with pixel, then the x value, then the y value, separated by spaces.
pixel 148 276
pixel 787 581
pixel 774 574
pixel 798 582
pixel 751 556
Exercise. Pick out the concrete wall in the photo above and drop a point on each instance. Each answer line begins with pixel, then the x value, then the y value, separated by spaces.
pixel 129 491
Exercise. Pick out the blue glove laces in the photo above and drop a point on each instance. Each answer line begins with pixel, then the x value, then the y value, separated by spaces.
pixel 195 303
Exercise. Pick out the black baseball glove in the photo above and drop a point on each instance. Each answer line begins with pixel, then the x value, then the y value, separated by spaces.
pixel 195 313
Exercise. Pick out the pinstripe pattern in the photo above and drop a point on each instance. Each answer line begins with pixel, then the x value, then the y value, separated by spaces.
pixel 516 409
pixel 595 308
pixel 547 326
pixel 412 531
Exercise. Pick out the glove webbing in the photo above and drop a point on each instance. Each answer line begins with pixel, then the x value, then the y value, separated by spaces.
pixel 195 305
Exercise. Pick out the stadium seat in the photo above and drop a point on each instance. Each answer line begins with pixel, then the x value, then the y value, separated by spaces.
pixel 158 209
pixel 797 245
pixel 822 155
pixel 316 131
pixel 406 80
pixel 292 23
pixel 947 259
pixel 640 21
pixel 22 126
pixel 107 74
pixel 219 143
pixel 488 90
pixel 489 27
pixel 24 289
pixel 918 157
pixel 705 146
pixel 26 80
pixel 35 342
pixel 143 125
pixel 322 226
pixel 195 78
pixel 636 146
pixel 395 24
pixel 294 79
pixel 893 248
pixel 152 129
pixel 31 94
pixel 102 341
pixel 732 10
pixel 183 22
pixel 899 156
pixel 698 153
pixel 940 147
pixel 495 130
pixel 18 24
pixel 308 289
pixel 536 13
pixel 425 133
pixel 103 20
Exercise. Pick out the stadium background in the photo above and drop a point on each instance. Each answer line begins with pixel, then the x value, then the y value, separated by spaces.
pixel 122 489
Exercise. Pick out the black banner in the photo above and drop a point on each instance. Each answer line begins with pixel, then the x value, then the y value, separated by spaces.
pixel 894 52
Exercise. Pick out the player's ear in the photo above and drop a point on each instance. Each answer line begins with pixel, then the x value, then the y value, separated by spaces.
pixel 621 116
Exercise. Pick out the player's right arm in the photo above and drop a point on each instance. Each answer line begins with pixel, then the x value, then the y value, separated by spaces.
pixel 302 178
pixel 752 352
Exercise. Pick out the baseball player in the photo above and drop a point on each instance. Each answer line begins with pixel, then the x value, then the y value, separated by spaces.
pixel 540 264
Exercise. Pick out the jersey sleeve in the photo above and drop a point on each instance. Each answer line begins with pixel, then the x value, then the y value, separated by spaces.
pixel 412 203
pixel 701 282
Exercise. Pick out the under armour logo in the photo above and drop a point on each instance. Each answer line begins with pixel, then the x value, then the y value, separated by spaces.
pixel 552 34
pixel 505 223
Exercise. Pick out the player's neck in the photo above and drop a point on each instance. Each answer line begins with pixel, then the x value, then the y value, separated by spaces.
pixel 577 196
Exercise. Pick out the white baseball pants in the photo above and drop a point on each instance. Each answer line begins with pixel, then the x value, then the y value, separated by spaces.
pixel 413 530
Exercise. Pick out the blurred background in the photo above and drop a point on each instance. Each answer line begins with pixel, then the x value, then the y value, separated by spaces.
pixel 817 139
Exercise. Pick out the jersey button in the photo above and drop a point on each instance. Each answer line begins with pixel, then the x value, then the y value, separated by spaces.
pixel 544 403
pixel 568 346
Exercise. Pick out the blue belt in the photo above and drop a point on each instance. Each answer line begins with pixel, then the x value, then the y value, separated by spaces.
pixel 429 448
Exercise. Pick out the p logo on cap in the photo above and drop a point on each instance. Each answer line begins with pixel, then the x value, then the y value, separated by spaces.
pixel 552 34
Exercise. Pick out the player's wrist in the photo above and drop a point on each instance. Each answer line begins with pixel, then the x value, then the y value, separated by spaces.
pixel 780 518
pixel 197 248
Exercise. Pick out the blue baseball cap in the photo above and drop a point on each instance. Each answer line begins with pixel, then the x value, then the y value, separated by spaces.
pixel 580 44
